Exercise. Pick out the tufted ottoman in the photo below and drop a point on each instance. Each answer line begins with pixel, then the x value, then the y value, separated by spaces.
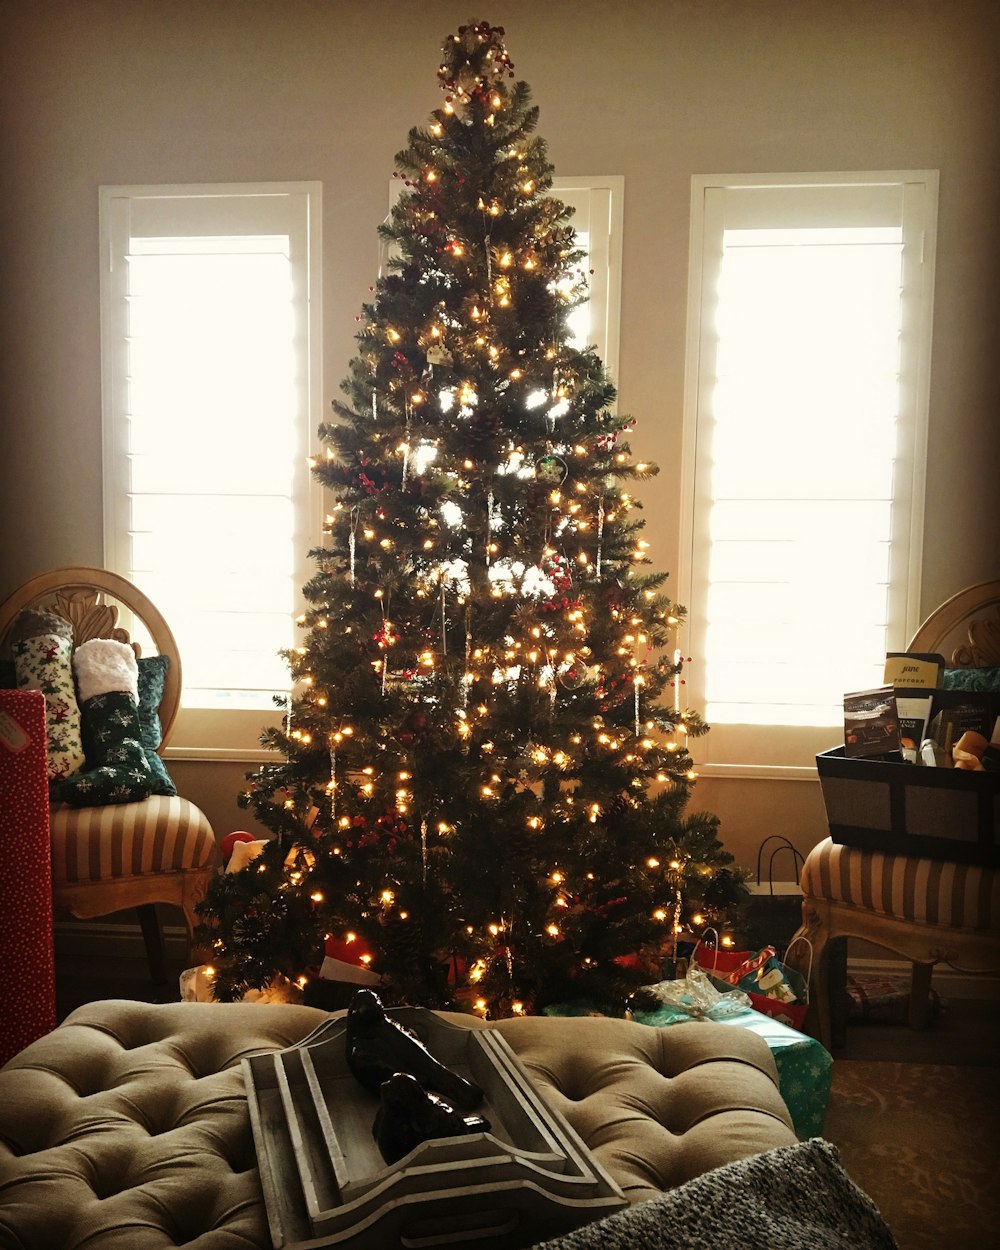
pixel 127 1126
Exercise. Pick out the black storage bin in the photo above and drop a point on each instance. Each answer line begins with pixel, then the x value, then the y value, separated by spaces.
pixel 909 809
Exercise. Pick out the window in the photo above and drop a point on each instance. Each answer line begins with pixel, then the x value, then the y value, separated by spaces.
pixel 805 426
pixel 597 221
pixel 210 345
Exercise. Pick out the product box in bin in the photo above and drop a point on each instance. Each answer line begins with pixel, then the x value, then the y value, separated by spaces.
pixel 908 809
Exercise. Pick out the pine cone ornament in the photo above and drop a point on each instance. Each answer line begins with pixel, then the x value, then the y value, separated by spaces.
pixel 401 940
pixel 483 430
pixel 614 809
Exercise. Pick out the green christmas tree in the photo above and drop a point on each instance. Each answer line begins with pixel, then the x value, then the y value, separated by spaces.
pixel 484 771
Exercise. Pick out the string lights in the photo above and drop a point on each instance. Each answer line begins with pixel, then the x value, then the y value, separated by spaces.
pixel 477 471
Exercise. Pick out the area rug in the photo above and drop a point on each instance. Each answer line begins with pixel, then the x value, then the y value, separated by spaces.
pixel 923 1140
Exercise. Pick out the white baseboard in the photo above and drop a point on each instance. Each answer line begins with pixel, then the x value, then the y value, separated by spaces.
pixel 105 940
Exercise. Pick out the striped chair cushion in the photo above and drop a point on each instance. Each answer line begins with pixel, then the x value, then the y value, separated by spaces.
pixel 928 891
pixel 164 833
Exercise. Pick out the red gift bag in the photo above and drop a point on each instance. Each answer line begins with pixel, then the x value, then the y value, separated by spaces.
pixel 728 968
pixel 29 1007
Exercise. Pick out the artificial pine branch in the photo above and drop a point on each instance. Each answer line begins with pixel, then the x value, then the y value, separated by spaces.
pixel 482 773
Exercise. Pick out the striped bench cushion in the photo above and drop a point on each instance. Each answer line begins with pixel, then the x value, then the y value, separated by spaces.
pixel 928 891
pixel 160 834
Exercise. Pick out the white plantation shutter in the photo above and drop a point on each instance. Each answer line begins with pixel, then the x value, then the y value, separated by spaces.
pixel 806 416
pixel 209 338
pixel 597 219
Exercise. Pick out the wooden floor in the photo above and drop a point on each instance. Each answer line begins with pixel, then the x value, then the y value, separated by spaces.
pixel 966 1033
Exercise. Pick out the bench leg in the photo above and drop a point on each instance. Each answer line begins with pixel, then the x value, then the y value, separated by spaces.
pixel 920 996
pixel 152 936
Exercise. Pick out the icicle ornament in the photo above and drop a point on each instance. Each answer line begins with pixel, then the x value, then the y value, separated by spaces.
pixel 677 679
pixel 406 445
pixel 489 525
pixel 468 657
pixel 352 541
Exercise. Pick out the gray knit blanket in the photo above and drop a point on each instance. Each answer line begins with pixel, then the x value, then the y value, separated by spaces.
pixel 792 1198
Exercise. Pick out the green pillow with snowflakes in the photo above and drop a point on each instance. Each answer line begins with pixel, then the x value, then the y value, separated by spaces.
pixel 152 679
pixel 116 768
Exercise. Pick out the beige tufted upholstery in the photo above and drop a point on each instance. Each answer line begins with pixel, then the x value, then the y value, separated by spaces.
pixel 126 1128
pixel 655 1106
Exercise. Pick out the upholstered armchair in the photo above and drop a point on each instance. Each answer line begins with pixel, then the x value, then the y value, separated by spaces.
pixel 927 910
pixel 156 849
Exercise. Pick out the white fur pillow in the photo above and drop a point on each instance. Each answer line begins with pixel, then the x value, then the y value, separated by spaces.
pixel 104 665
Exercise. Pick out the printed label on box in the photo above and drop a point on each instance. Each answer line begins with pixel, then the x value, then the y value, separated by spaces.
pixel 13 735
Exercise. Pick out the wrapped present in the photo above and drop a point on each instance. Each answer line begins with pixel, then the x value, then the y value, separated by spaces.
pixel 873 999
pixel 29 1007
pixel 346 959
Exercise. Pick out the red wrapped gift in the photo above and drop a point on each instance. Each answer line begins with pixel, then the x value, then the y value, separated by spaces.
pixel 29 1008
pixel 346 959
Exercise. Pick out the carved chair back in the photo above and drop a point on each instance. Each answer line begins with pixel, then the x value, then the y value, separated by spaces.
pixel 92 600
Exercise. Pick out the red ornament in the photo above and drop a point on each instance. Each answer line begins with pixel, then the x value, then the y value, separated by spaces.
pixel 627 961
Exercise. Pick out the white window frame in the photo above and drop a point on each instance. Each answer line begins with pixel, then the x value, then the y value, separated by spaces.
pixel 600 205
pixel 200 732
pixel 766 751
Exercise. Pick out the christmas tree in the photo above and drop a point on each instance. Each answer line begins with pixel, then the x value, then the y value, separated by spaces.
pixel 483 773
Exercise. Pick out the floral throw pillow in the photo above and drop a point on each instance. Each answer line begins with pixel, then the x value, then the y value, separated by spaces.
pixel 42 645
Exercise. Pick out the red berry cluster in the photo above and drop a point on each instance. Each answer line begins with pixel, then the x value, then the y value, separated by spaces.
pixel 557 604
pixel 402 364
pixel 385 637
pixel 413 727
pixel 391 824
pixel 477 53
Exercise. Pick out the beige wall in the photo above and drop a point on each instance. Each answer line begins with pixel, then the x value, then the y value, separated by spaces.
pixel 131 91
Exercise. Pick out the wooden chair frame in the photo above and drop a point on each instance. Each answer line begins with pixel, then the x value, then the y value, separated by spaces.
pixel 974 612
pixel 91 600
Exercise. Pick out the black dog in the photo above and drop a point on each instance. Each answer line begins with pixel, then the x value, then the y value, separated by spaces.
pixel 409 1115
pixel 379 1047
